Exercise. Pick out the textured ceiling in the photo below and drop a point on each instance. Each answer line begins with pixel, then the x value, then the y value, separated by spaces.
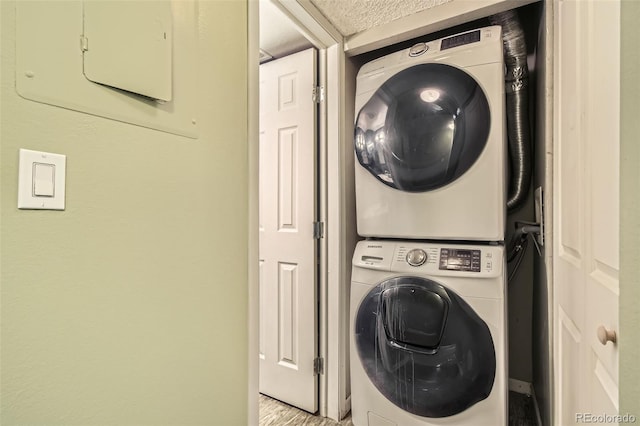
pixel 279 36
pixel 352 16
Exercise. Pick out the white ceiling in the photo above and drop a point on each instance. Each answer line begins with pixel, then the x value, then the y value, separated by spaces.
pixel 278 36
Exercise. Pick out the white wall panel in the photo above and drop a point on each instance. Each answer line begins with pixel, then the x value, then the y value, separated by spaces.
pixel 49 68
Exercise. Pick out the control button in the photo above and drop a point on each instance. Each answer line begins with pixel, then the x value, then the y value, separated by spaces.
pixel 418 49
pixel 416 257
pixel 401 254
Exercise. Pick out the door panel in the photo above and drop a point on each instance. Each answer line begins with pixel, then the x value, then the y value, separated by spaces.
pixel 288 296
pixel 604 389
pixel 586 217
pixel 288 311
pixel 287 175
pixel 604 152
pixel 570 373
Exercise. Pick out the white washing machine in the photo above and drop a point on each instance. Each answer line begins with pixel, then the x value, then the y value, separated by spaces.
pixel 428 335
pixel 430 141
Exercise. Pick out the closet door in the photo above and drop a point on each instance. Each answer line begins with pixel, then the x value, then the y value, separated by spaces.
pixel 288 260
pixel 586 210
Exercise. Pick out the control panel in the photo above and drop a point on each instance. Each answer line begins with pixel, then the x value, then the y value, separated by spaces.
pixel 459 260
pixel 428 258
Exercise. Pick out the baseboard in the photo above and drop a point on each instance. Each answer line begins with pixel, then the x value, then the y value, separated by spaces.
pixel 346 407
pixel 519 386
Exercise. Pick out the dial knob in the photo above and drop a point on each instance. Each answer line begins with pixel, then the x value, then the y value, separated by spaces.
pixel 416 257
pixel 418 49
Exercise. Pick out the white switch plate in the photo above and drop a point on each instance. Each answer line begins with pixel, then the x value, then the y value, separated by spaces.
pixel 26 185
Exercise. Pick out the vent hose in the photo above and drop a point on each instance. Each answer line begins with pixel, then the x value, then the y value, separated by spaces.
pixel 517 103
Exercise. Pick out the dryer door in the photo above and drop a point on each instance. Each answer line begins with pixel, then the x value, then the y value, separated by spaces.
pixel 424 347
pixel 423 128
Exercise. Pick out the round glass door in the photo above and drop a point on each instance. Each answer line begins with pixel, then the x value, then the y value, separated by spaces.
pixel 423 128
pixel 424 348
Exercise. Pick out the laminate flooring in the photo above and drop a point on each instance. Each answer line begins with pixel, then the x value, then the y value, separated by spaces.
pixel 276 413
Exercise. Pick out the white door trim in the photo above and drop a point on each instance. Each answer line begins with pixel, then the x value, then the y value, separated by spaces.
pixel 324 37
pixel 253 135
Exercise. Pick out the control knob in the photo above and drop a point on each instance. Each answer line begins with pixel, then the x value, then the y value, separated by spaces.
pixel 416 257
pixel 418 49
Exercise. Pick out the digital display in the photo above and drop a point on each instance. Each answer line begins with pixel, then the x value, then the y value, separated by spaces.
pixel 460 40
pixel 459 260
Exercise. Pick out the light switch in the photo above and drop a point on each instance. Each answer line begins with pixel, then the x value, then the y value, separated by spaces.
pixel 41 180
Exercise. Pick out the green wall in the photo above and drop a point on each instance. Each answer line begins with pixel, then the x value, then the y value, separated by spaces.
pixel 130 307
pixel 630 210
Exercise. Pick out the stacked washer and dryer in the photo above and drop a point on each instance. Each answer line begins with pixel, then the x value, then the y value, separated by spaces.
pixel 428 294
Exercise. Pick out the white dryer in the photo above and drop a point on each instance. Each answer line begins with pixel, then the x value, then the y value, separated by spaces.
pixel 428 335
pixel 430 141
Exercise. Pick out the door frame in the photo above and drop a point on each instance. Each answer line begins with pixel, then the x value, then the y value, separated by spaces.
pixel 337 207
pixel 328 41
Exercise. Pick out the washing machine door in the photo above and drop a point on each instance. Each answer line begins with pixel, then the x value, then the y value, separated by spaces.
pixel 423 128
pixel 424 348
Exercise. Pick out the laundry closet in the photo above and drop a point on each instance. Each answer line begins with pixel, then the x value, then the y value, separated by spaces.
pixel 533 335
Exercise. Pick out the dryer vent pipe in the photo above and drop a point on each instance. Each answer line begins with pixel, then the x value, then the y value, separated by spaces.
pixel 516 82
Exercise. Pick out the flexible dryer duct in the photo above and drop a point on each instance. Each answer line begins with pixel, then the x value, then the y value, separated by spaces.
pixel 516 82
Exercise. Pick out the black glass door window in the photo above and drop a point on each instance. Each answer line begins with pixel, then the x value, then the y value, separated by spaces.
pixel 424 347
pixel 423 128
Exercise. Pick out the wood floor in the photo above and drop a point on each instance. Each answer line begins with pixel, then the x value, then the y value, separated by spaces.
pixel 276 413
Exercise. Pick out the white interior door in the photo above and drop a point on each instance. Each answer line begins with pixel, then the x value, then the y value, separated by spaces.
pixel 288 296
pixel 586 214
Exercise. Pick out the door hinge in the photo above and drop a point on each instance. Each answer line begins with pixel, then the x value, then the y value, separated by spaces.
pixel 84 43
pixel 318 366
pixel 318 94
pixel 318 230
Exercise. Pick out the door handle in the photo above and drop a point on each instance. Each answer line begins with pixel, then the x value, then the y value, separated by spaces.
pixel 605 335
